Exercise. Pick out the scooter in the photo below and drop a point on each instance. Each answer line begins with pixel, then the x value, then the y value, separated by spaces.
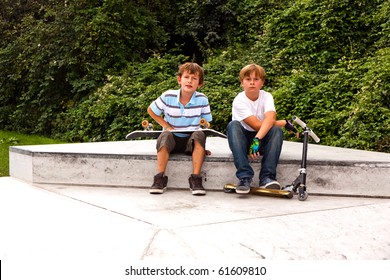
pixel 298 186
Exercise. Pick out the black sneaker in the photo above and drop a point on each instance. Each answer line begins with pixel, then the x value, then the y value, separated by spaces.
pixel 271 184
pixel 159 184
pixel 244 185
pixel 196 186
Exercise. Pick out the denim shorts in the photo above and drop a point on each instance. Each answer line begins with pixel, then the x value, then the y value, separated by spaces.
pixel 176 144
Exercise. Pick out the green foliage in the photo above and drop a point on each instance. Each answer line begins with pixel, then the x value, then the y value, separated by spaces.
pixel 120 105
pixel 314 35
pixel 88 70
pixel 221 86
pixel 10 138
pixel 321 100
pixel 61 53
pixel 368 123
pixel 206 23
pixel 10 141
pixel 251 18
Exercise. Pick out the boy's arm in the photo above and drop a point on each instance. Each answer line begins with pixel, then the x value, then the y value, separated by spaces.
pixel 265 126
pixel 160 120
pixel 262 127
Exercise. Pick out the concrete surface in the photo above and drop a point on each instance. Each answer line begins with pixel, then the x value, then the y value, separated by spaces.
pixel 330 170
pixel 97 232
pixel 65 215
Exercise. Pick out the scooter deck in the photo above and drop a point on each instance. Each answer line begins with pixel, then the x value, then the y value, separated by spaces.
pixel 228 188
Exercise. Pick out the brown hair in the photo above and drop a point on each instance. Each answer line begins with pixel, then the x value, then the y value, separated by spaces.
pixel 250 68
pixel 192 68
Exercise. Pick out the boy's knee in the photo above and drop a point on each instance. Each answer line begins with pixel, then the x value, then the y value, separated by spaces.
pixel 276 133
pixel 165 134
pixel 199 138
pixel 165 140
pixel 233 125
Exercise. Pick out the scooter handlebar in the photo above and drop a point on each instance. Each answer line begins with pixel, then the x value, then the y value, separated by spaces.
pixel 304 126
pixel 314 136
pixel 298 121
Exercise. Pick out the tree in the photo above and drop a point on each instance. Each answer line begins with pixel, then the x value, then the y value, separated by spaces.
pixel 63 52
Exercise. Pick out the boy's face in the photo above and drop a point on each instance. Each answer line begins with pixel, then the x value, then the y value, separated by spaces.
pixel 252 84
pixel 189 83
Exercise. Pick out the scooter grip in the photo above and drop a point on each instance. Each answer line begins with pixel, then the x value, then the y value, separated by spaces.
pixel 304 126
pixel 314 136
pixel 298 121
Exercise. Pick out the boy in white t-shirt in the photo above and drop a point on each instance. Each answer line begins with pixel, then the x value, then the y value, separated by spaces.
pixel 254 131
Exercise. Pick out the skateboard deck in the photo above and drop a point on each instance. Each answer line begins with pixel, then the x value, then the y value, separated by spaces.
pixel 155 133
pixel 230 188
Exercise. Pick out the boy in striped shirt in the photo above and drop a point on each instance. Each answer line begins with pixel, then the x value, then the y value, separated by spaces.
pixel 181 109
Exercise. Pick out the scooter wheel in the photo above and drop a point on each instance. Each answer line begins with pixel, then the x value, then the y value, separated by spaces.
pixel 303 196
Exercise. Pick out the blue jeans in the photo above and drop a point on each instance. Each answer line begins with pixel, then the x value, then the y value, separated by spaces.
pixel 240 140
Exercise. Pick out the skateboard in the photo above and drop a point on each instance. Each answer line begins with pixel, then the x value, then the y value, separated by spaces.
pixel 148 131
pixel 287 193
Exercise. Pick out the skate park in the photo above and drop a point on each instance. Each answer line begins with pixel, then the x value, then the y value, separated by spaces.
pixel 90 201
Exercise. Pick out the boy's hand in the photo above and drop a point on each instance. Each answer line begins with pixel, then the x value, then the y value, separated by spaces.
pixel 290 128
pixel 255 146
pixel 254 149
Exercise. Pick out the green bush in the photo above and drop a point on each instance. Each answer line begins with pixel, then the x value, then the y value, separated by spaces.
pixel 89 70
pixel 118 107
pixel 368 124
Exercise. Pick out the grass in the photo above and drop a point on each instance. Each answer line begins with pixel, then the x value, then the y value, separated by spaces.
pixel 9 138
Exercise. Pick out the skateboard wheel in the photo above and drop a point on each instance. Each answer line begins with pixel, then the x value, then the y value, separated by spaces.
pixel 145 123
pixel 229 189
pixel 203 123
pixel 290 195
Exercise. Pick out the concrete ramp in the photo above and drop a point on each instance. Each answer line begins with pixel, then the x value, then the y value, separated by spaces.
pixel 330 170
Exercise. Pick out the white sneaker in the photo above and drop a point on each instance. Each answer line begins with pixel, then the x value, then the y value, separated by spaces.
pixel 274 185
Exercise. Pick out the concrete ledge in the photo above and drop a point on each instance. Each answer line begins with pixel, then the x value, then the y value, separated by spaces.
pixel 330 170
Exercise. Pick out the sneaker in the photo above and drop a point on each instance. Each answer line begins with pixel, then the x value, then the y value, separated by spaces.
pixel 159 184
pixel 196 186
pixel 244 186
pixel 271 184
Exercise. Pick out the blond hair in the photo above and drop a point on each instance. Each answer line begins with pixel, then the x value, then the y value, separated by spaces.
pixel 249 69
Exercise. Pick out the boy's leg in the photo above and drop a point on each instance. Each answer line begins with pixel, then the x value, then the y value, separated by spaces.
pixel 162 159
pixel 196 146
pixel 165 144
pixel 271 148
pixel 198 155
pixel 197 143
pixel 239 142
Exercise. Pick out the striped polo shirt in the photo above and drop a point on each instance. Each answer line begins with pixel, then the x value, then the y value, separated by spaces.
pixel 182 117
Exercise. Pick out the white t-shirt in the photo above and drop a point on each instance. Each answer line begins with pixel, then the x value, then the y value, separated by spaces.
pixel 243 107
